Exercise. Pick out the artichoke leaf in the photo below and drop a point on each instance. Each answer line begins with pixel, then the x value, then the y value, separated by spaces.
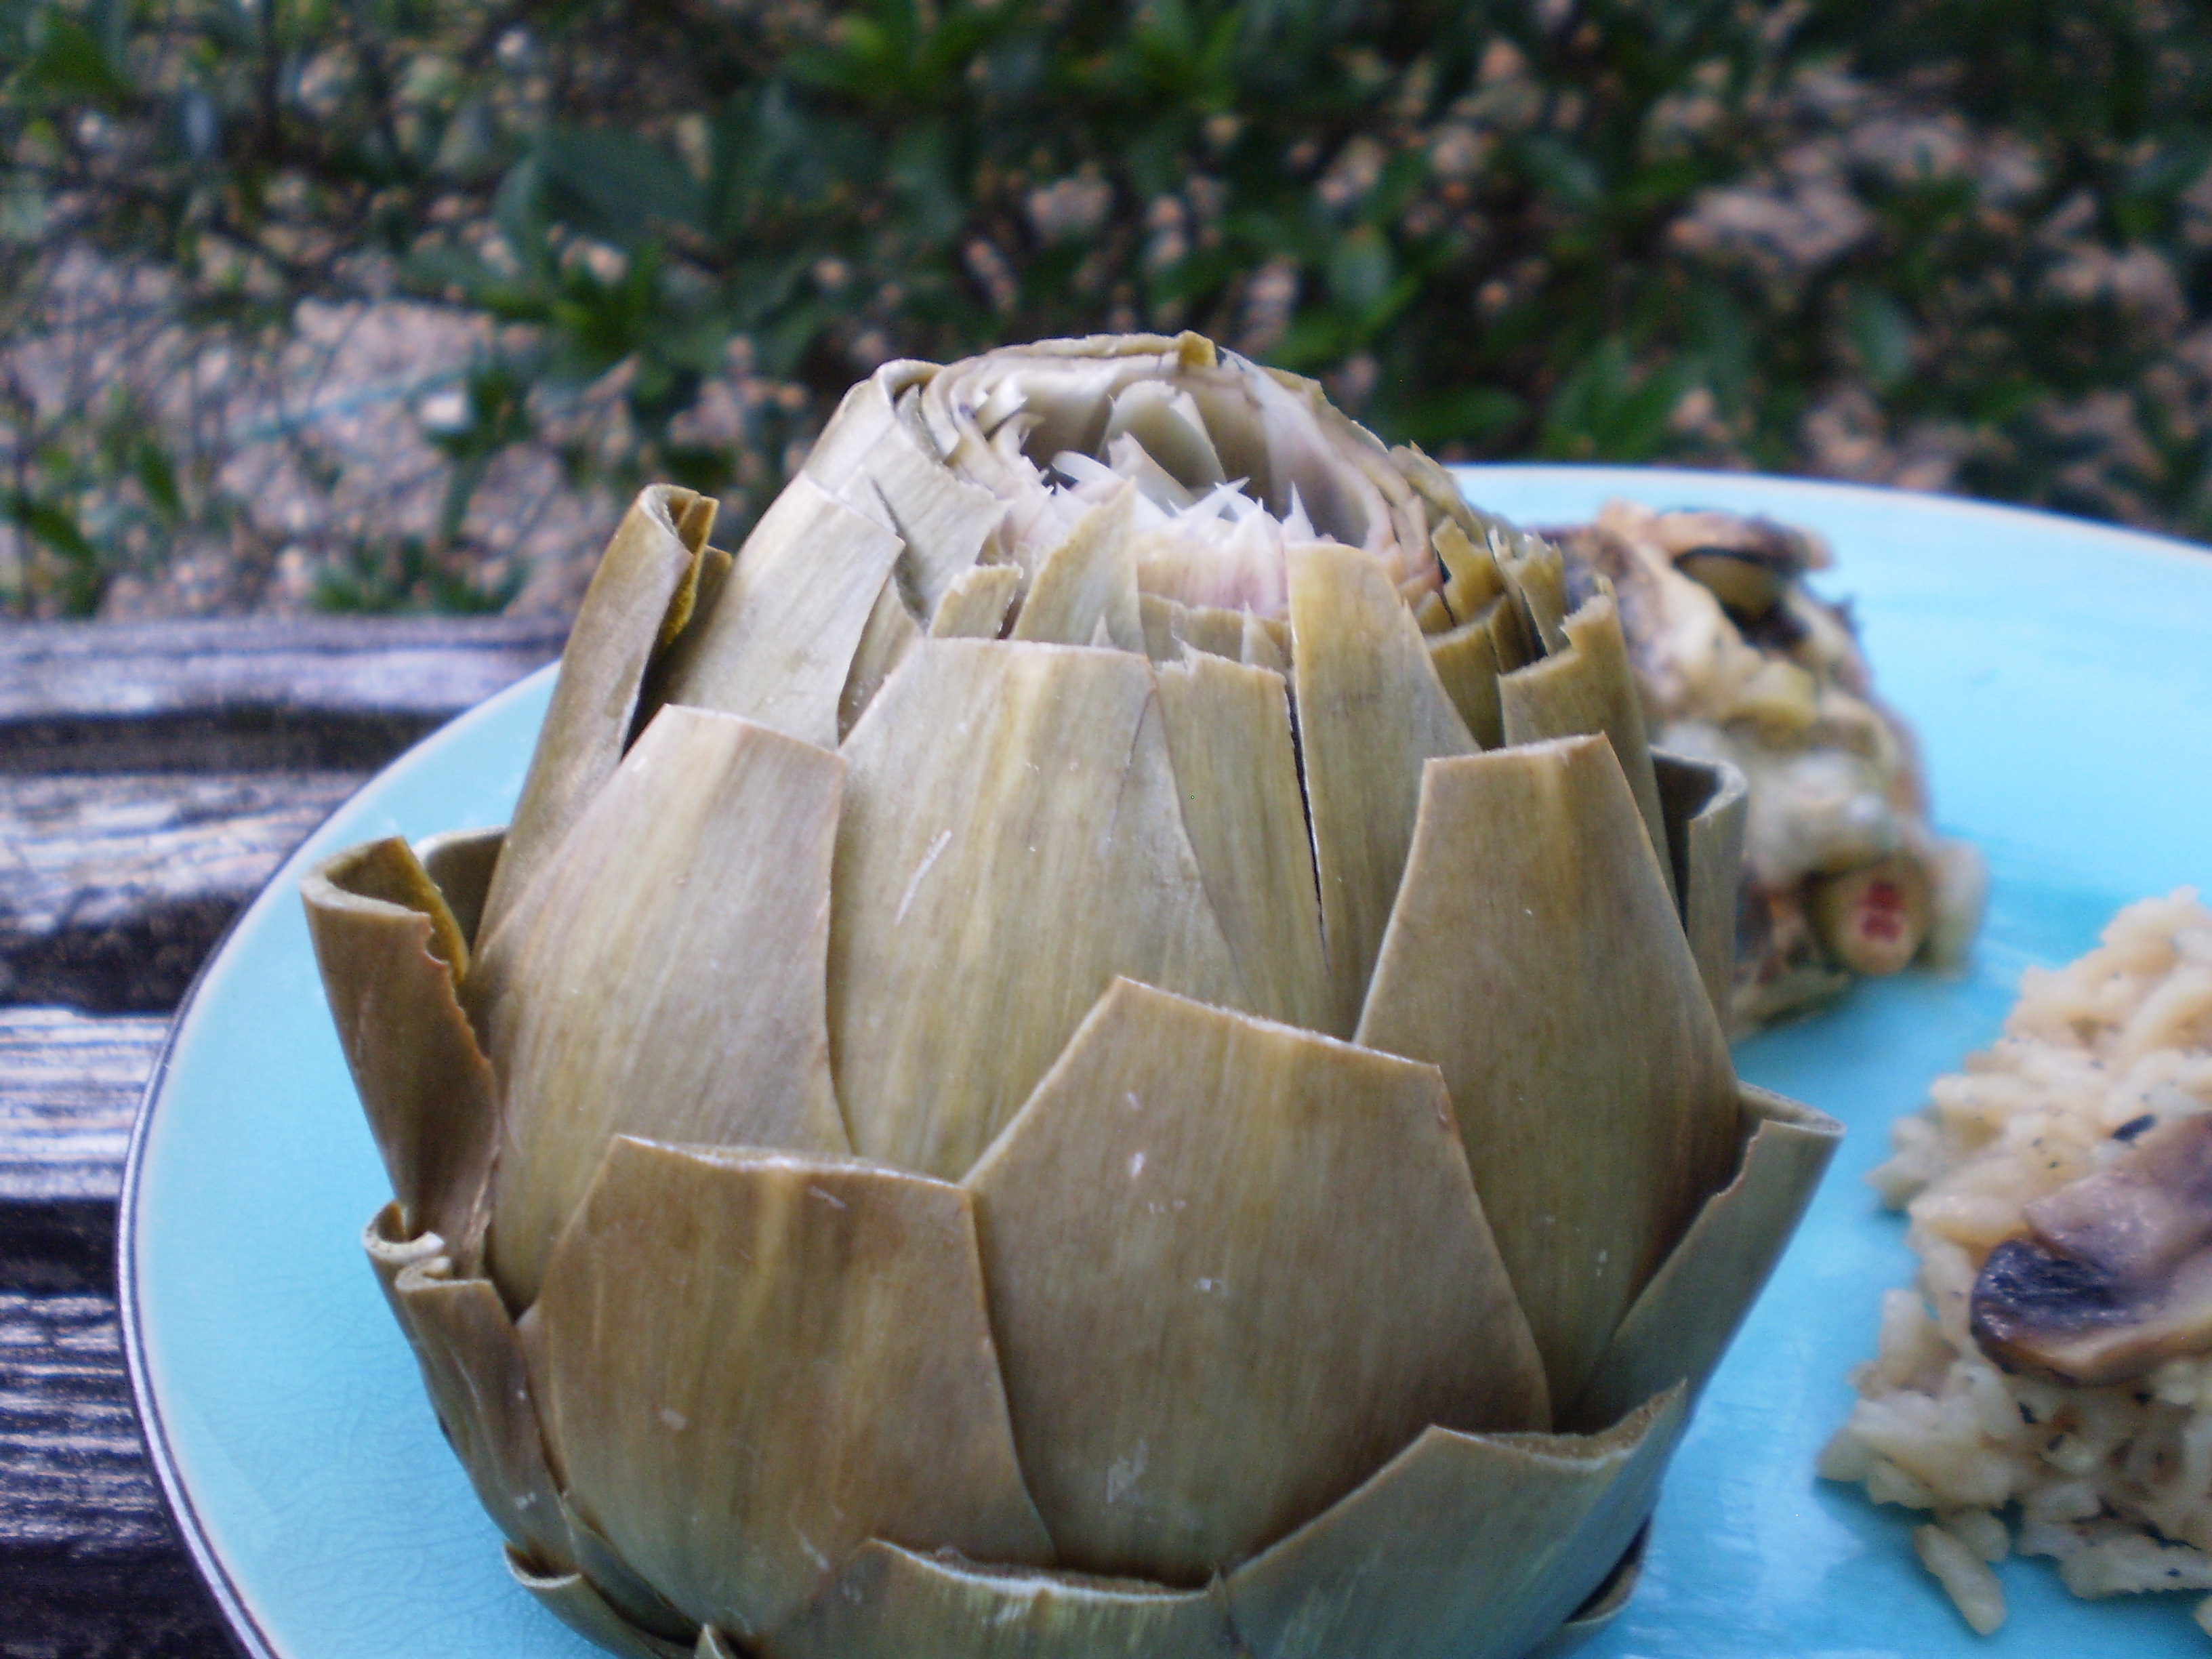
pixel 1236 770
pixel 1436 487
pixel 1472 580
pixel 1588 687
pixel 645 579
pixel 1707 805
pixel 1184 1233
pixel 389 950
pixel 860 423
pixel 1534 954
pixel 1462 1546
pixel 976 604
pixel 712 1644
pixel 572 1598
pixel 779 642
pixel 1011 841
pixel 473 1369
pixel 1682 1323
pixel 1165 420
pixel 665 976
pixel 1605 1604
pixel 459 864
pixel 943 519
pixel 888 635
pixel 598 1560
pixel 730 1347
pixel 1466 665
pixel 1535 575
pixel 1371 711
pixel 891 1603
pixel 1089 576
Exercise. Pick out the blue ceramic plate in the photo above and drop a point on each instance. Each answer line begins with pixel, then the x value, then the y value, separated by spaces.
pixel 2061 676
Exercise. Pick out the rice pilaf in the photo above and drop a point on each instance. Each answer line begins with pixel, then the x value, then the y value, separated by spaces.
pixel 2114 1482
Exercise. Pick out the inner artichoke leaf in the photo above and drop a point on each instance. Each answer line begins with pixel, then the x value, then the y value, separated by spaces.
pixel 944 519
pixel 1471 570
pixel 1466 661
pixel 576 1602
pixel 753 1362
pixel 646 572
pixel 1165 420
pixel 1536 576
pixel 892 1603
pixel 665 976
pixel 1087 577
pixel 1463 1547
pixel 474 1372
pixel 1186 1232
pixel 1011 839
pixel 459 864
pixel 1682 1323
pixel 1370 712
pixel 780 642
pixel 1535 956
pixel 1588 687
pixel 1707 805
pixel 388 949
pixel 888 635
pixel 976 604
pixel 1237 769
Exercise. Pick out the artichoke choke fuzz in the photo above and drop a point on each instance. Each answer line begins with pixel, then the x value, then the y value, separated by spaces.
pixel 897 1145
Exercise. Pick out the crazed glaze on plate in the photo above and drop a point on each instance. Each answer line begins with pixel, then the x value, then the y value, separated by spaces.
pixel 2060 675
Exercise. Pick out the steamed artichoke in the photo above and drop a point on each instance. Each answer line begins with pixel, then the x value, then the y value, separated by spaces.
pixel 1092 1048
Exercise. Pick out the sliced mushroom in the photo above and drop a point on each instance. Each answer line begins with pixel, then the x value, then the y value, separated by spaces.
pixel 2116 1274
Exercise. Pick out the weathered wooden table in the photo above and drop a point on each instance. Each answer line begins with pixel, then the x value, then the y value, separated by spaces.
pixel 151 780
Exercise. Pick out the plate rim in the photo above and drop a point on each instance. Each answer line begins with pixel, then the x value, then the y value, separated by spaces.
pixel 215 1573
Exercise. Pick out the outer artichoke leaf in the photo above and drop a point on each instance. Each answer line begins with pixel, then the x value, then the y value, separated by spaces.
pixel 473 1369
pixel 1606 1603
pixel 1535 956
pixel 976 604
pixel 1681 1324
pixel 712 1644
pixel 1463 1547
pixel 389 948
pixel 891 1603
pixel 753 1362
pixel 614 1578
pixel 1589 687
pixel 1706 805
pixel 666 977
pixel 459 864
pixel 1229 735
pixel 647 566
pixel 781 642
pixel 1088 577
pixel 1011 841
pixel 1184 1234
pixel 888 634
pixel 1466 661
pixel 1371 711
pixel 571 1598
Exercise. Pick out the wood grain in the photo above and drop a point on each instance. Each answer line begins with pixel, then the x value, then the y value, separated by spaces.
pixel 114 887
pixel 239 695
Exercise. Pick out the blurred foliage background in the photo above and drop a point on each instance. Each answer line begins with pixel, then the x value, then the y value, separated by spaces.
pixel 387 304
